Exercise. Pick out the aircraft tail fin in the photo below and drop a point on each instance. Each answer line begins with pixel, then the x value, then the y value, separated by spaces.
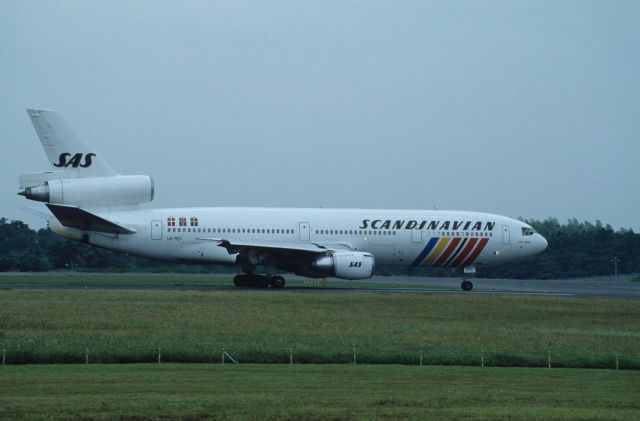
pixel 66 152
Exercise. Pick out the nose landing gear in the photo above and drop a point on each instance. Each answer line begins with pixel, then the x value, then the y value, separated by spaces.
pixel 467 285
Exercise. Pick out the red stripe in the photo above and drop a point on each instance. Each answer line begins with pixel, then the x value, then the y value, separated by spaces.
pixel 472 242
pixel 476 252
pixel 448 251
pixel 456 253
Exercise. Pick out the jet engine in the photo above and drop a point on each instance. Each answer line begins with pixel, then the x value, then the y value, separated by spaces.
pixel 345 264
pixel 120 190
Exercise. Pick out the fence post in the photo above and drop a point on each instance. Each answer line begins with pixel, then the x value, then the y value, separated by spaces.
pixel 617 361
pixel 482 357
pixel 549 359
pixel 222 360
pixel 4 356
pixel 159 355
pixel 355 361
pixel 291 355
pixel 420 357
pixel 86 356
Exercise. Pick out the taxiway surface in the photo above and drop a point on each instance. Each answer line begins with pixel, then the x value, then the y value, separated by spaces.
pixel 596 287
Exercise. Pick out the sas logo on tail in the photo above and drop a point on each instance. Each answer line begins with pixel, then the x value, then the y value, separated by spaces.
pixel 75 161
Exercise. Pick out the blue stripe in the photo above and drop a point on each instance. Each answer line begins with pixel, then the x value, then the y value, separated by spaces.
pixel 430 245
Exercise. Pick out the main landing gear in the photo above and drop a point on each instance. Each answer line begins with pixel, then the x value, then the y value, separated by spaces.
pixel 467 285
pixel 259 281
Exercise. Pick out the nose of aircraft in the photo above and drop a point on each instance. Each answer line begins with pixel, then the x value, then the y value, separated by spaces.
pixel 540 243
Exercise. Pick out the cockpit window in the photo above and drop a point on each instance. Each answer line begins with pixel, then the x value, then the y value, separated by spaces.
pixel 526 231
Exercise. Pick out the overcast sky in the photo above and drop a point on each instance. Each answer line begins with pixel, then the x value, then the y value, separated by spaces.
pixel 527 109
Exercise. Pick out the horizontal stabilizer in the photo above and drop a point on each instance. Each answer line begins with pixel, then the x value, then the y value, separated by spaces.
pixel 35 212
pixel 74 217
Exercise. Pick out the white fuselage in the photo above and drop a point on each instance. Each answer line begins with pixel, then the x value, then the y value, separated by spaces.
pixel 91 202
pixel 394 237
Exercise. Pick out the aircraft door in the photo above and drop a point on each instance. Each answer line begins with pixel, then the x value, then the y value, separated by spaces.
pixel 416 236
pixel 506 234
pixel 304 231
pixel 156 230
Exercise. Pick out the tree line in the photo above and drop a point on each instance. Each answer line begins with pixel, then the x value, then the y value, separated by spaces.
pixel 576 249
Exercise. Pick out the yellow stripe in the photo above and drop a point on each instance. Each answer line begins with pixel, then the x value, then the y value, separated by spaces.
pixel 444 241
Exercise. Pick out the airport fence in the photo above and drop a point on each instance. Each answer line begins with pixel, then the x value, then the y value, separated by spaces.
pixel 485 357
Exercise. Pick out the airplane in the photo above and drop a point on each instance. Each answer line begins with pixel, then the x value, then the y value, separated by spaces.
pixel 90 202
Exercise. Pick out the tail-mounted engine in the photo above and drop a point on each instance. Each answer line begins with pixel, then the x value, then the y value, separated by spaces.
pixel 345 264
pixel 119 190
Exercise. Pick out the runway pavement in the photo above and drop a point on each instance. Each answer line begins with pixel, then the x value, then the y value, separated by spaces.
pixel 595 287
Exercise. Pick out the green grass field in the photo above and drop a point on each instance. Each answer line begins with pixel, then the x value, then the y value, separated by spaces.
pixel 263 326
pixel 190 391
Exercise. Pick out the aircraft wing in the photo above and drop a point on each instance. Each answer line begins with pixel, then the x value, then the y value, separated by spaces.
pixel 74 217
pixel 277 247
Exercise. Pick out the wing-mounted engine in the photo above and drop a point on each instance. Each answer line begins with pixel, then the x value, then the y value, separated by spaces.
pixel 119 190
pixel 345 264
pixel 305 259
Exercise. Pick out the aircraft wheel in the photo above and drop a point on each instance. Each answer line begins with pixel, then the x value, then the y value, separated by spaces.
pixel 240 280
pixel 467 285
pixel 260 281
pixel 276 282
